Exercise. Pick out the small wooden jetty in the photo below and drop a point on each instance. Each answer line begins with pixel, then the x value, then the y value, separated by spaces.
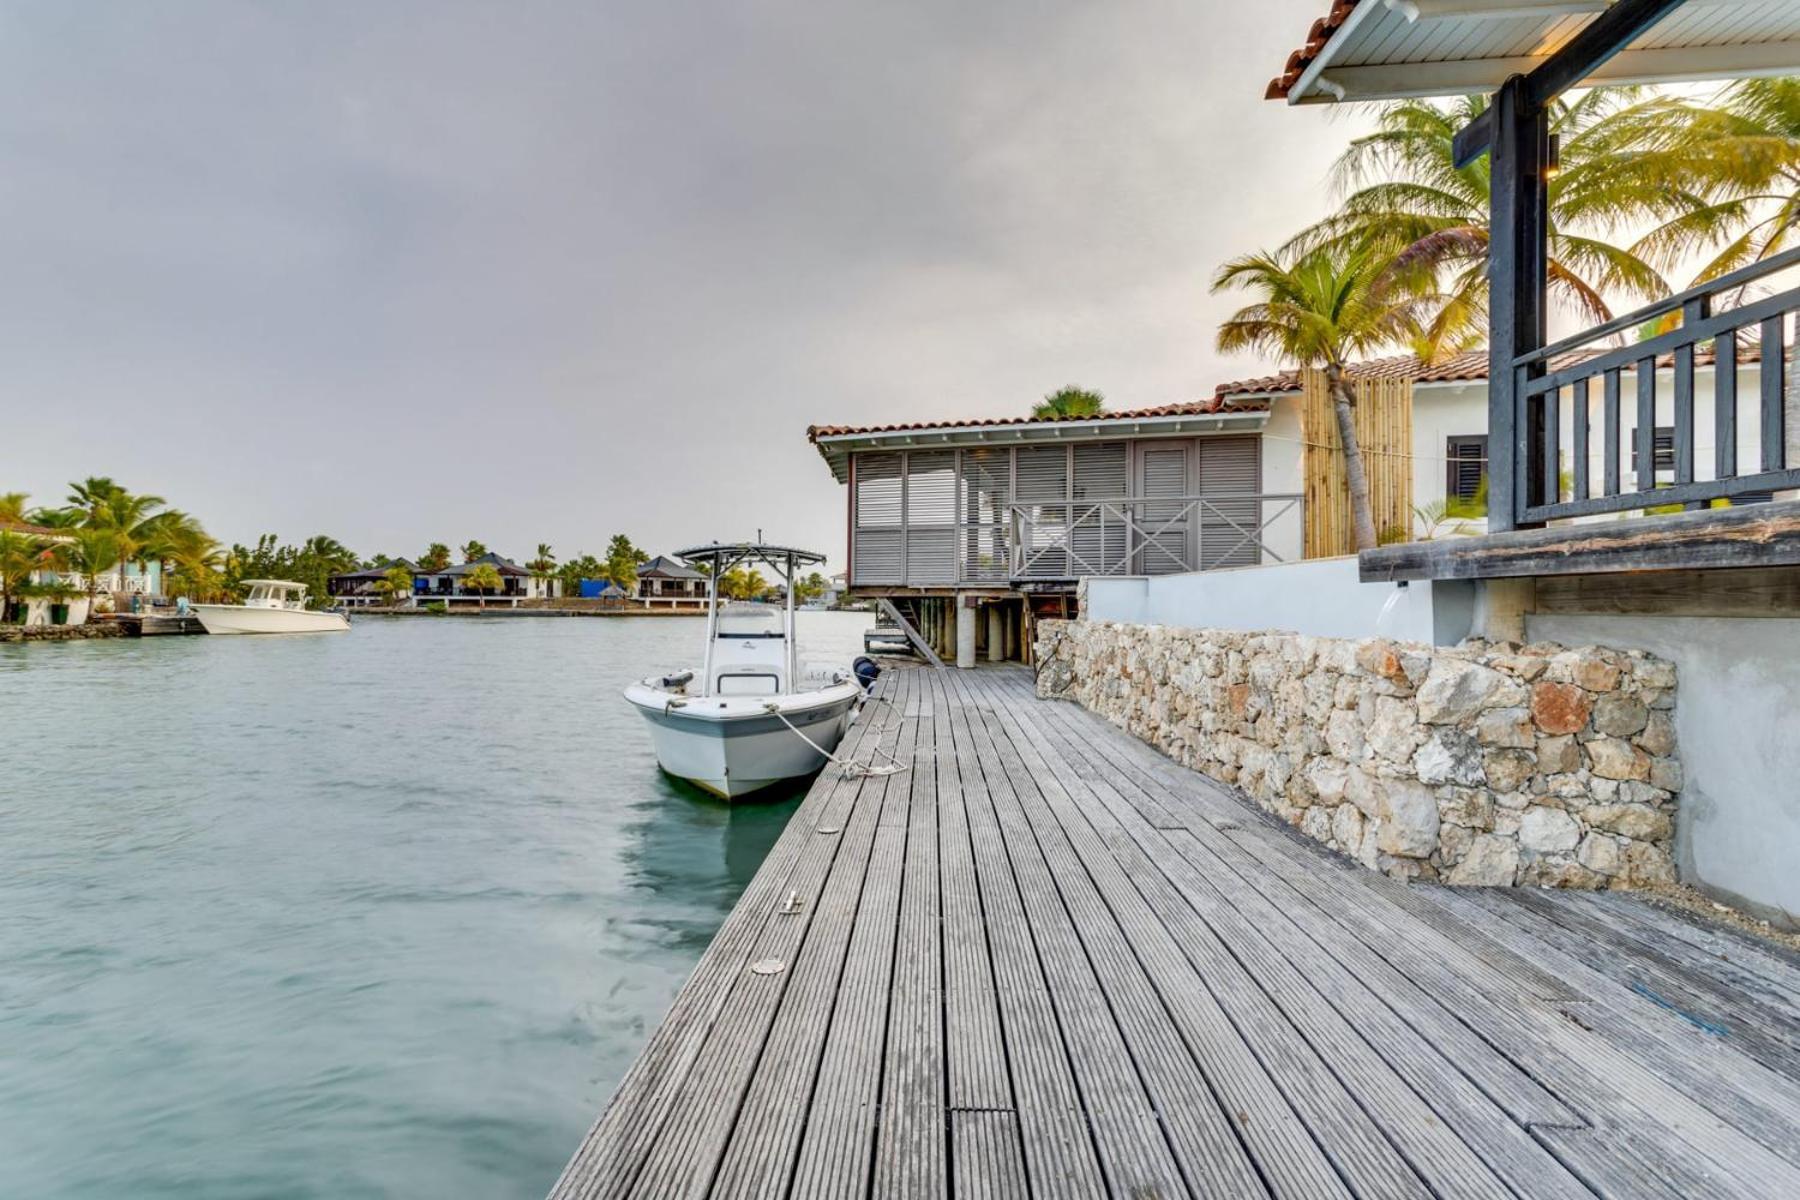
pixel 155 624
pixel 1047 961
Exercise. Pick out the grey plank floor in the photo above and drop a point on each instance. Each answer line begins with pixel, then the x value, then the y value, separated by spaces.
pixel 1046 961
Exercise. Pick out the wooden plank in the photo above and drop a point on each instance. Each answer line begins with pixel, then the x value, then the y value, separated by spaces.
pixel 1127 1049
pixel 801 1055
pixel 1734 1085
pixel 1446 1128
pixel 1612 1165
pixel 1725 404
pixel 614 1150
pixel 1761 535
pixel 986 1159
pixel 809 947
pixel 1062 1153
pixel 1271 1119
pixel 912 1147
pixel 1609 426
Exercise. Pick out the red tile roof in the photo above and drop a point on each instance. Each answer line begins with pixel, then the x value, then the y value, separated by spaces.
pixel 1197 408
pixel 1321 32
pixel 28 528
pixel 1253 395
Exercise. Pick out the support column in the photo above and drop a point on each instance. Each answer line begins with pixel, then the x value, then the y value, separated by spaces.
pixel 996 633
pixel 1518 272
pixel 1012 616
pixel 965 633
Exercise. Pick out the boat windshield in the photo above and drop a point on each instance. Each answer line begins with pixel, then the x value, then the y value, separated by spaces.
pixel 750 621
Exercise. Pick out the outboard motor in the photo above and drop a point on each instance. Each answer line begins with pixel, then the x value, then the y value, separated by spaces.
pixel 866 671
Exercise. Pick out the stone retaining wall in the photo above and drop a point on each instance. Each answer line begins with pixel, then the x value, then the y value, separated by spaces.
pixel 59 633
pixel 1475 764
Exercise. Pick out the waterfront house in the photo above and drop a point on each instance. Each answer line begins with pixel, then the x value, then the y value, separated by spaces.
pixel 360 589
pixel 671 583
pixel 1684 543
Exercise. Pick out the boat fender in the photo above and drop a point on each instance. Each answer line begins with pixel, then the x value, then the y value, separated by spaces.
pixel 677 681
pixel 867 672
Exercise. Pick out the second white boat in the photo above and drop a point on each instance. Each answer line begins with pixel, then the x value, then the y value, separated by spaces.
pixel 270 606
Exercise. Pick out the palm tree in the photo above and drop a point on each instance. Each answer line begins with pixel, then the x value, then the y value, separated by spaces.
pixel 12 506
pixel 395 584
pixel 473 550
pixel 191 558
pixel 435 558
pixel 19 557
pixel 1068 402
pixel 483 580
pixel 90 493
pixel 132 520
pixel 1321 307
pixel 1426 216
pixel 90 554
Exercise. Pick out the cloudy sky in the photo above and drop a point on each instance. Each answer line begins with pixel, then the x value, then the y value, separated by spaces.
pixel 533 271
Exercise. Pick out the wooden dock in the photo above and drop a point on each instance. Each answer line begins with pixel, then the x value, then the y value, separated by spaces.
pixel 1048 962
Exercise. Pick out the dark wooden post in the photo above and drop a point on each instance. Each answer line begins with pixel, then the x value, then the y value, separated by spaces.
pixel 1517 277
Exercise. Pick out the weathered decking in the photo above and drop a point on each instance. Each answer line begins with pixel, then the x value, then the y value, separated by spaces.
pixel 1047 961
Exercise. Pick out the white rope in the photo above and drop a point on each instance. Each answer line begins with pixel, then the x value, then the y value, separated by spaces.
pixel 852 768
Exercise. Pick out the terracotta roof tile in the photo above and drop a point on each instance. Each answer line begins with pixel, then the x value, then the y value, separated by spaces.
pixel 1197 408
pixel 1316 37
pixel 27 527
pixel 1252 395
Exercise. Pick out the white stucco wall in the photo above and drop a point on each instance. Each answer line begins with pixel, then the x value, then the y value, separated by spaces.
pixel 1738 829
pixel 1323 598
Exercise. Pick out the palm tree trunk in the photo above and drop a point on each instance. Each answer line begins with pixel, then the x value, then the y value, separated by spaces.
pixel 1361 518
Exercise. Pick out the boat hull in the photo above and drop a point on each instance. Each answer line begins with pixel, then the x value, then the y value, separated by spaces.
pixel 735 747
pixel 235 618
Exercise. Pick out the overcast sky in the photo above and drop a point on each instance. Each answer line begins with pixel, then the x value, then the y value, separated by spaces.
pixel 531 271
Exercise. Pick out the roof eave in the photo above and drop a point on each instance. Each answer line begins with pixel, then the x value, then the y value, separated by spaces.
pixel 835 449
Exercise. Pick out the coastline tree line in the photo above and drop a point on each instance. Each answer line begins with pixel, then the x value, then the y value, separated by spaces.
pixel 102 530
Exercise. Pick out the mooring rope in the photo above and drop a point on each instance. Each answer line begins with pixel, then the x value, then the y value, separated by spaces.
pixel 852 768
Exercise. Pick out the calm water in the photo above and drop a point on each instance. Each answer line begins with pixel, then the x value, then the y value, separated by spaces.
pixel 380 914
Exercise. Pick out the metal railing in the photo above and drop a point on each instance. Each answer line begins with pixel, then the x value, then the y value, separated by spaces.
pixel 1140 535
pixel 1720 318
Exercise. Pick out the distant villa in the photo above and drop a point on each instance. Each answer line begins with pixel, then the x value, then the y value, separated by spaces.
pixel 663 582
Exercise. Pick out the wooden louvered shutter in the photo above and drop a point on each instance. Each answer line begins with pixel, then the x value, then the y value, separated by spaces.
pixel 930 517
pixel 1231 471
pixel 878 553
pixel 1465 462
pixel 1101 479
pixel 1043 487
pixel 985 490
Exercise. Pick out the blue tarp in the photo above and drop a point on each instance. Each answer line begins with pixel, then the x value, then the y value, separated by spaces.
pixel 601 589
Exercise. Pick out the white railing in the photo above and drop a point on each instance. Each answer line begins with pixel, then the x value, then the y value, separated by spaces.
pixel 1148 536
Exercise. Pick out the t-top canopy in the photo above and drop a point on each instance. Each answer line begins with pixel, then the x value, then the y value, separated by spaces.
pixel 1390 49
pixel 734 551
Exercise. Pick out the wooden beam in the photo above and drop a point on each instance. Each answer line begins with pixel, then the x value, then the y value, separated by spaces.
pixel 1593 46
pixel 1754 535
pixel 912 635
pixel 1742 592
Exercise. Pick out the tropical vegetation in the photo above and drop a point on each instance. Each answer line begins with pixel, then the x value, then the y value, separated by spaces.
pixel 1070 401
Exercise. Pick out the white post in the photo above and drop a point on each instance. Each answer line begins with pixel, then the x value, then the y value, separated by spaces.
pixel 712 627
pixel 965 633
pixel 793 658
pixel 996 632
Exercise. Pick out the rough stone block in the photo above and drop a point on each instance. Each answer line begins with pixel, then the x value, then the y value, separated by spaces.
pixel 1409 818
pixel 1506 727
pixel 1548 830
pixel 1559 707
pixel 1612 758
pixel 1455 690
pixel 1491 860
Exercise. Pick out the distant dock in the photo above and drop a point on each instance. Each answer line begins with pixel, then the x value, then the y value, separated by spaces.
pixel 1047 961
pixel 155 624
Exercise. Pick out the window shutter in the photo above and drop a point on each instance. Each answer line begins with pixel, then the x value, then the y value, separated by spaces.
pixel 1465 463
pixel 1097 532
pixel 878 553
pixel 986 487
pixel 1230 467
pixel 931 517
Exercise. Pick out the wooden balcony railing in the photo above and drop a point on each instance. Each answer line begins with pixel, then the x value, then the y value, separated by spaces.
pixel 1145 536
pixel 1722 319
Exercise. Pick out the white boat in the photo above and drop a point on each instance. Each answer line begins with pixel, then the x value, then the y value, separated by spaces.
pixel 750 715
pixel 270 606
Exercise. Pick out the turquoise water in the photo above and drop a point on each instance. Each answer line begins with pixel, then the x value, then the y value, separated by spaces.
pixel 380 914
